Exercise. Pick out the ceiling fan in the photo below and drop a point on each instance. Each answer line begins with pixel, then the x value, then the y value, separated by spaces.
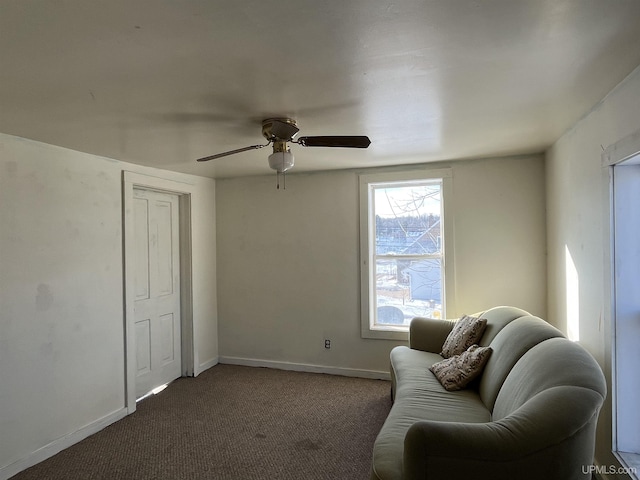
pixel 279 132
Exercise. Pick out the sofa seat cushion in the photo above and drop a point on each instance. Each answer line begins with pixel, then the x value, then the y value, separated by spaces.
pixel 419 396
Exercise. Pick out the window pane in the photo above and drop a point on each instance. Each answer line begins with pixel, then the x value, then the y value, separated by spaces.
pixel 407 289
pixel 407 220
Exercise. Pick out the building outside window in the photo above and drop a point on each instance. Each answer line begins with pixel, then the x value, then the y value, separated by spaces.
pixel 403 244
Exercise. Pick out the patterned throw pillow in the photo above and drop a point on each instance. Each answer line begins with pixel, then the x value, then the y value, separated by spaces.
pixel 456 372
pixel 466 332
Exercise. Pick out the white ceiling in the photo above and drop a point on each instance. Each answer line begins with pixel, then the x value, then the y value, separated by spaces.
pixel 165 82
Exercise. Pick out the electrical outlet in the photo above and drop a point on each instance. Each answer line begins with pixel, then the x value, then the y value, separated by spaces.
pixel 327 344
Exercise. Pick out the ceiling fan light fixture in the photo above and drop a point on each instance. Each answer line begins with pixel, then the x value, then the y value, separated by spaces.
pixel 281 161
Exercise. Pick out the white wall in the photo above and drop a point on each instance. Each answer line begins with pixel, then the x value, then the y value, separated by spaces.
pixel 577 200
pixel 288 264
pixel 61 294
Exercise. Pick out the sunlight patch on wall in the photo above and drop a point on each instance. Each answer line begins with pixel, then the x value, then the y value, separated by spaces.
pixel 573 297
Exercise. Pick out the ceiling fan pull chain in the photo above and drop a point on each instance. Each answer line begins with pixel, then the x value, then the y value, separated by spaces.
pixel 284 180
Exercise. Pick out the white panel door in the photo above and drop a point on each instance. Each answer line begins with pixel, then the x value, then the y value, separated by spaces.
pixel 156 289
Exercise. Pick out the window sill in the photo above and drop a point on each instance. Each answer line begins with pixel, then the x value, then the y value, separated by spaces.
pixel 386 334
pixel 631 463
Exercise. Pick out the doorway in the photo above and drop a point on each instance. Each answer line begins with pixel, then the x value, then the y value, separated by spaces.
pixel 158 301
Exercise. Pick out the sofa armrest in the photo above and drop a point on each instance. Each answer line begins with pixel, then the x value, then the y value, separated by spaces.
pixel 429 334
pixel 539 440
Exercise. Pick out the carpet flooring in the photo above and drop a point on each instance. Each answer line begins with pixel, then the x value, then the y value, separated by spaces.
pixel 236 423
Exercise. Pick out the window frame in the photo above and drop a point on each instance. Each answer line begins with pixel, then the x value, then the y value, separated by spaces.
pixel 367 245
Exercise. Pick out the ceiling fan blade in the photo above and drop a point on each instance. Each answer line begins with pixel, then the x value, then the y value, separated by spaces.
pixel 230 152
pixel 336 141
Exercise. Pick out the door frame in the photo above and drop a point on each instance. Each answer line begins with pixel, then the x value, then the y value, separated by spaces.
pixel 131 181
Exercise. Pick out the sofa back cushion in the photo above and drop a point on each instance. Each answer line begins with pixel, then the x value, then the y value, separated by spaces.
pixel 556 362
pixel 509 345
pixel 497 318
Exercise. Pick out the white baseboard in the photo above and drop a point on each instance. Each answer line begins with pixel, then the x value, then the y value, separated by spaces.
pixel 205 366
pixel 60 444
pixel 303 367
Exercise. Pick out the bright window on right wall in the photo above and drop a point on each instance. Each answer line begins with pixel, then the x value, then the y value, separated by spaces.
pixel 625 300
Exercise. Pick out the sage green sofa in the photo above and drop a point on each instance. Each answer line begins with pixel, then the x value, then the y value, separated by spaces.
pixel 530 415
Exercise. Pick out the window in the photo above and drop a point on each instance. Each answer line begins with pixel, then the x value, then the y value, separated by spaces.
pixel 623 268
pixel 625 278
pixel 403 240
